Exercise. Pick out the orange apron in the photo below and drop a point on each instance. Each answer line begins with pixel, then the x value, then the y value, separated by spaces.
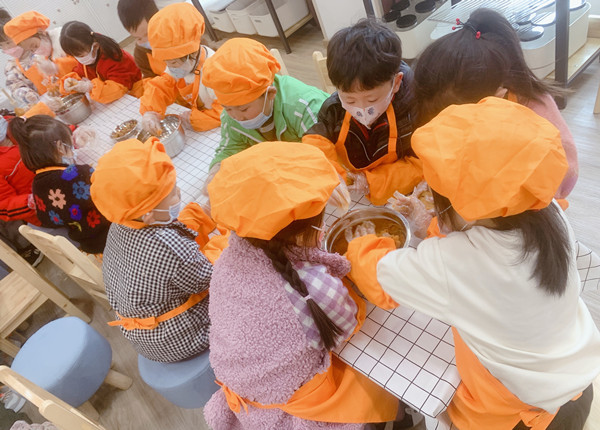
pixel 482 402
pixel 151 323
pixel 391 155
pixel 34 75
pixel 190 92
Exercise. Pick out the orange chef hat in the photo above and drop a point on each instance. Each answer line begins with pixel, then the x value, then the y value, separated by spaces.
pixel 240 71
pixel 175 31
pixel 25 25
pixel 261 190
pixel 490 159
pixel 131 179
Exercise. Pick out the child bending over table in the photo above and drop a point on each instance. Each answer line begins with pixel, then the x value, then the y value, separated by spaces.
pixel 505 276
pixel 365 127
pixel 278 305
pixel 155 276
pixel 103 70
pixel 483 57
pixel 61 186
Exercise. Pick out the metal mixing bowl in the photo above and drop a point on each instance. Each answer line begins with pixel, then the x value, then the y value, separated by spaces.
pixel 172 136
pixel 75 108
pixel 125 130
pixel 335 239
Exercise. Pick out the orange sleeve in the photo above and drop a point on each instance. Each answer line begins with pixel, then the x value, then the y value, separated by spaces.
pixel 401 175
pixel 194 218
pixel 434 229
pixel 328 148
pixel 206 119
pixel 40 108
pixel 107 91
pixel 216 245
pixel 65 65
pixel 159 92
pixel 364 253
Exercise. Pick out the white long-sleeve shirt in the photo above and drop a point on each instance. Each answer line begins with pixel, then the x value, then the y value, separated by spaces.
pixel 544 349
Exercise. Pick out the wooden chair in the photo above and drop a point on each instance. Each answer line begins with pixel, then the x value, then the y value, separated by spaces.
pixel 78 266
pixel 61 414
pixel 321 66
pixel 275 53
pixel 21 293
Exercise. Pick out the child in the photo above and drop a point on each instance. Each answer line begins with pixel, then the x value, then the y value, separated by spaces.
pixel 366 125
pixel 462 67
pixel 103 69
pixel 152 266
pixel 505 276
pixel 61 187
pixel 135 15
pixel 259 104
pixel 29 31
pixel 278 306
pixel 174 34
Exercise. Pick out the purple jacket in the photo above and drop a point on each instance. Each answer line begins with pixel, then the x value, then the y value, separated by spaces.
pixel 257 344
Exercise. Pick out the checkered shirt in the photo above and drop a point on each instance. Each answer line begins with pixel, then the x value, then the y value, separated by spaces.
pixel 331 296
pixel 153 270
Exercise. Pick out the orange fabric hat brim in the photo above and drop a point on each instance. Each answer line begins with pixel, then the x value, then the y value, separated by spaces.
pixel 491 159
pixel 131 180
pixel 25 25
pixel 240 71
pixel 175 31
pixel 261 190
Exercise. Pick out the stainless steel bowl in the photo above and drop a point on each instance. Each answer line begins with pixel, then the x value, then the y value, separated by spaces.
pixel 75 108
pixel 125 130
pixel 172 136
pixel 335 239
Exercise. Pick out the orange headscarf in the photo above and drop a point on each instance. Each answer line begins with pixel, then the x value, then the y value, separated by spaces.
pixel 131 179
pixel 240 71
pixel 25 25
pixel 259 191
pixel 490 159
pixel 175 31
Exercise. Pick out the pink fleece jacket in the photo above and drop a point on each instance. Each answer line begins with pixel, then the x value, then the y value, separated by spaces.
pixel 257 345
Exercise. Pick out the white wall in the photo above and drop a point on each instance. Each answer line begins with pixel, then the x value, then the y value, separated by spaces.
pixel 595 10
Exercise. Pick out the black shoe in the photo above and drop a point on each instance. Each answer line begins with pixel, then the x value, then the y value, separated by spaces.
pixel 33 256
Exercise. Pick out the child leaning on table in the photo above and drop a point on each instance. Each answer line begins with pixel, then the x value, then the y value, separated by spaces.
pixel 483 57
pixel 278 305
pixel 504 277
pixel 61 186
pixel 152 265
pixel 365 127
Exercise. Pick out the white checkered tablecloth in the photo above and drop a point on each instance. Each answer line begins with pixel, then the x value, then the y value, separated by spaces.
pixel 191 164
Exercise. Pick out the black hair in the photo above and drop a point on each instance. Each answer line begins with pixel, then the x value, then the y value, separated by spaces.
pixel 545 238
pixel 462 67
pixel 366 54
pixel 4 18
pixel 275 250
pixel 133 12
pixel 37 138
pixel 77 37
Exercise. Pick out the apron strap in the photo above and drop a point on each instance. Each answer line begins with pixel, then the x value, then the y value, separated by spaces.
pixel 48 169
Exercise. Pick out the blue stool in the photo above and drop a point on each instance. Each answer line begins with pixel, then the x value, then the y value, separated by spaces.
pixel 68 358
pixel 188 384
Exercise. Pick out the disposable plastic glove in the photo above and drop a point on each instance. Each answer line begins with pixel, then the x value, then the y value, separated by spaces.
pixel 185 120
pixel 151 122
pixel 32 97
pixel 46 67
pixel 359 183
pixel 340 197
pixel 83 136
pixel 364 228
pixel 82 86
pixel 54 103
pixel 414 210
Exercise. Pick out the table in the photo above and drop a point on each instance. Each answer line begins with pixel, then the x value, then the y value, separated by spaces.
pixel 191 164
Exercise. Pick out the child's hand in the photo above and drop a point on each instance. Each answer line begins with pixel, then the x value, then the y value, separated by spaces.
pixel 82 136
pixel 151 123
pixel 414 210
pixel 46 67
pixel 363 229
pixel 186 121
pixel 340 197
pixel 82 86
pixel 359 183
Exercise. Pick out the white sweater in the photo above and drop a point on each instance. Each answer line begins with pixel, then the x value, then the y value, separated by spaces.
pixel 544 349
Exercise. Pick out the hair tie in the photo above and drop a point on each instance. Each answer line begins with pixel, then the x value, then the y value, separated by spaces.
pixel 460 25
pixel 92 33
pixel 307 298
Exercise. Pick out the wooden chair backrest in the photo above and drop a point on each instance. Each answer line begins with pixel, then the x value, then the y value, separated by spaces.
pixel 61 414
pixel 77 265
pixel 321 66
pixel 275 53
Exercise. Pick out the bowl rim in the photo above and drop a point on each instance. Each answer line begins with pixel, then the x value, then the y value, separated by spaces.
pixel 135 121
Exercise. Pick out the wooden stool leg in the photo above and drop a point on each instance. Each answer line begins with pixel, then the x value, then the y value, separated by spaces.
pixel 89 411
pixel 597 105
pixel 118 380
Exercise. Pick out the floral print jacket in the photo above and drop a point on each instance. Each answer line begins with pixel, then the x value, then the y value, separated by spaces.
pixel 62 199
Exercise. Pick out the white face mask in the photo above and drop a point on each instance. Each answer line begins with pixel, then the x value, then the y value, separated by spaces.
pixel 45 48
pixel 15 51
pixel 182 71
pixel 90 58
pixel 145 45
pixel 367 116
pixel 173 211
pixel 259 120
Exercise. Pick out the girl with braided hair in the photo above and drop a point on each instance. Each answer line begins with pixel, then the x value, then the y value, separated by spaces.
pixel 277 302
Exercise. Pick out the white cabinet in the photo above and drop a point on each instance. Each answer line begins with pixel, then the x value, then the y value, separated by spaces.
pixel 336 14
